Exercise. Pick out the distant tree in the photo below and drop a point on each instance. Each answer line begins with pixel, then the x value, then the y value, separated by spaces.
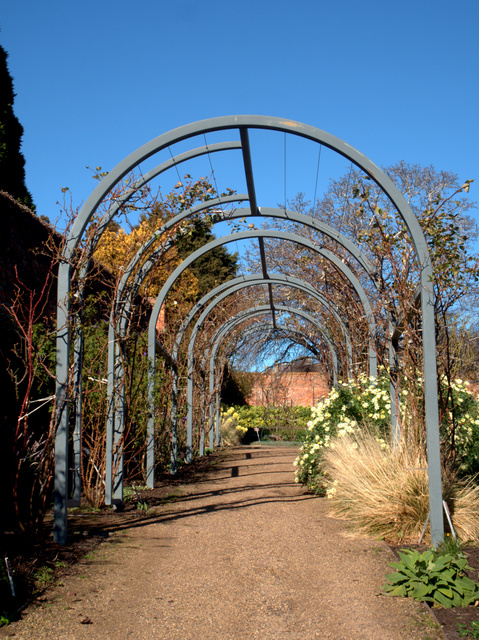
pixel 213 268
pixel 118 246
pixel 236 387
pixel 12 162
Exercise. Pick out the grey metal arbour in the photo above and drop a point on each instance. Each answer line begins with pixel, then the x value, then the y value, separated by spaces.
pixel 230 326
pixel 242 125
pixel 123 304
pixel 263 233
pixel 294 283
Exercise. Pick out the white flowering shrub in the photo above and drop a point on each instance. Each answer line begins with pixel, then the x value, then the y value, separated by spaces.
pixel 460 427
pixel 353 407
pixel 348 407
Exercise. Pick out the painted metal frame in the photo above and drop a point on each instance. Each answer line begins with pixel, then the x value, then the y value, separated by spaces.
pixel 231 325
pixel 243 124
pixel 122 309
pixel 263 233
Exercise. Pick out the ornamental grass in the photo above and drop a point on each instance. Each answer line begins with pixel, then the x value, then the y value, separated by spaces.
pixel 384 492
pixel 231 430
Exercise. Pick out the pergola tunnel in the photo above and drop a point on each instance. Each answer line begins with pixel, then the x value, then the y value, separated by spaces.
pixel 332 311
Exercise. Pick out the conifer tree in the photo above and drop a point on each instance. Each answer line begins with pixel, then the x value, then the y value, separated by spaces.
pixel 12 162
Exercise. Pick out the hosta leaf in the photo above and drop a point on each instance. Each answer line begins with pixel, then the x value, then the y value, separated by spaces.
pixel 394 578
pixel 406 560
pixel 466 583
pixel 448 575
pixel 461 564
pixel 410 573
pixel 419 590
pixel 440 563
pixel 400 590
pixel 441 599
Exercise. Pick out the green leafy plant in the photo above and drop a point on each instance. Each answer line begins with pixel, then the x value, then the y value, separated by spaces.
pixel 5 618
pixel 439 579
pixel 471 631
pixel 44 575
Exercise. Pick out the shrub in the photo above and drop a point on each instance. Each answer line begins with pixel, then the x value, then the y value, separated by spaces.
pixel 348 406
pixel 365 405
pixel 286 422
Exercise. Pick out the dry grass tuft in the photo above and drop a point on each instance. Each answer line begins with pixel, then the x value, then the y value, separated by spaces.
pixel 384 493
pixel 465 517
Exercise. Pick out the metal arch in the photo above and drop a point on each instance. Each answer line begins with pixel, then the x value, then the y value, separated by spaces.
pixel 222 291
pixel 188 261
pixel 256 328
pixel 246 235
pixel 217 301
pixel 231 286
pixel 246 315
pixel 141 274
pixel 244 123
pixel 240 213
pixel 287 126
pixel 121 309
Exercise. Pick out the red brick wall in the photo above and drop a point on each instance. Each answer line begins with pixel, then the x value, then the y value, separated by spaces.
pixel 288 388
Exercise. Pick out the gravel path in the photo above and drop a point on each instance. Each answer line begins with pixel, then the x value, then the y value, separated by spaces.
pixel 244 554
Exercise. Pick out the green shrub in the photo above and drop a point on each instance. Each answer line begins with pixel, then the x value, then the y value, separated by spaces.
pixel 285 422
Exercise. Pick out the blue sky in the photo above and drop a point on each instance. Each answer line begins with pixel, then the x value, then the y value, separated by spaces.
pixel 97 79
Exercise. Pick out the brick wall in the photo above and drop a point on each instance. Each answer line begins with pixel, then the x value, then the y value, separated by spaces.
pixel 291 388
